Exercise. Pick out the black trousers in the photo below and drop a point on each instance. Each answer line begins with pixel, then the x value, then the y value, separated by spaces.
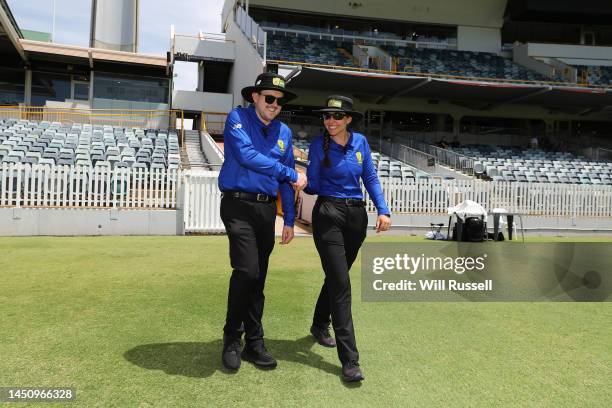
pixel 339 231
pixel 250 229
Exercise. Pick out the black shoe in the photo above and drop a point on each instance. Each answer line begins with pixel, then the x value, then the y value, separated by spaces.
pixel 351 372
pixel 231 354
pixel 323 337
pixel 259 356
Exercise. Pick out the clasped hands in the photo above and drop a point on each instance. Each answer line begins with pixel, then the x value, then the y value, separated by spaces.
pixel 301 182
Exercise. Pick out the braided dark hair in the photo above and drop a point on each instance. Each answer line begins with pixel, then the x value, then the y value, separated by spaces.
pixel 326 139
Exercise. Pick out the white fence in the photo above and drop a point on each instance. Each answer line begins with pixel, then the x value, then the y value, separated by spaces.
pixel 541 199
pixel 202 198
pixel 197 193
pixel 24 185
pixel 202 201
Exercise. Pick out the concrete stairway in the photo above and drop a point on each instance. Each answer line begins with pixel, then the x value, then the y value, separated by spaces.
pixel 192 156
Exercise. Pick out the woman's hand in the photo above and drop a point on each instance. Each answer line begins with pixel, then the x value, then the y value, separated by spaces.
pixel 383 223
pixel 287 235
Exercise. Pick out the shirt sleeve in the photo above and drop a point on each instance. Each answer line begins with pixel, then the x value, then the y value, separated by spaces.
pixel 371 182
pixel 247 156
pixel 314 169
pixel 287 192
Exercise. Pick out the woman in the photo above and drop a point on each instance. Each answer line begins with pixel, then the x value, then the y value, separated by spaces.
pixel 338 159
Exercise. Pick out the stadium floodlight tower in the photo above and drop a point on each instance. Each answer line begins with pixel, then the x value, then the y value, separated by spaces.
pixel 114 25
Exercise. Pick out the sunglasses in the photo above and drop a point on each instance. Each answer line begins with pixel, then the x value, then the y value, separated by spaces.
pixel 335 115
pixel 271 98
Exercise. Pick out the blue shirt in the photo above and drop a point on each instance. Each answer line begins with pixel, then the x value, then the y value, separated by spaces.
pixel 258 158
pixel 347 165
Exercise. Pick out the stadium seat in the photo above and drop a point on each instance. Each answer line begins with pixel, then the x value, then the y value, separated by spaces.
pixel 141 166
pixel 11 159
pixel 46 161
pixel 83 163
pixel 65 162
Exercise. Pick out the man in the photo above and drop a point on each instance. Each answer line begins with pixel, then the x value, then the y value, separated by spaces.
pixel 258 163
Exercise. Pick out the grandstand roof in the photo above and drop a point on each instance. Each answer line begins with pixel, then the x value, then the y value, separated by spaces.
pixel 380 88
pixel 479 13
pixel 92 54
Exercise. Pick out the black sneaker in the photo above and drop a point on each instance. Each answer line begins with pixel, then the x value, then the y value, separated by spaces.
pixel 231 354
pixel 323 337
pixel 351 372
pixel 259 356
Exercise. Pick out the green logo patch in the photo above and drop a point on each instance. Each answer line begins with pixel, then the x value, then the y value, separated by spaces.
pixel 278 82
pixel 334 103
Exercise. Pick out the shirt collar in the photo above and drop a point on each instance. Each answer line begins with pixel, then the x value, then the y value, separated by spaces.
pixel 351 139
pixel 349 142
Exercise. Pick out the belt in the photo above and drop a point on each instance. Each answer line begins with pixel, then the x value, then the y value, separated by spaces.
pixel 350 202
pixel 240 195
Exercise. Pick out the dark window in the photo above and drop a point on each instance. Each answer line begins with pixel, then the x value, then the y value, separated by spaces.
pixel 12 85
pixel 120 87
pixel 49 87
pixel 81 91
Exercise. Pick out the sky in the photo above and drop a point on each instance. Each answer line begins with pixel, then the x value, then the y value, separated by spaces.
pixel 72 19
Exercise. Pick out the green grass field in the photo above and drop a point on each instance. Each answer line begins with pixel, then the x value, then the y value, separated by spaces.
pixel 136 322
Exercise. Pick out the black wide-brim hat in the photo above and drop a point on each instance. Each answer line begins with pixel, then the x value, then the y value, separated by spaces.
pixel 339 103
pixel 268 81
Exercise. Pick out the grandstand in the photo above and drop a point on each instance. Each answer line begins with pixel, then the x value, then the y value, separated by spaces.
pixel 314 51
pixel 595 75
pixel 417 58
pixel 89 130
pixel 536 166
pixel 77 144
pixel 461 63
pixel 421 54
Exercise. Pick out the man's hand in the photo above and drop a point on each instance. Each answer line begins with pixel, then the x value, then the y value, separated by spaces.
pixel 287 235
pixel 301 182
pixel 383 223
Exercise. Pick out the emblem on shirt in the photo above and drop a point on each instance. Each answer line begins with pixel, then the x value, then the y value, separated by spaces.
pixel 359 157
pixel 237 126
pixel 281 146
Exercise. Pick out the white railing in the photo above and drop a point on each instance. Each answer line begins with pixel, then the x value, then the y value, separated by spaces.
pixel 449 158
pixel 202 201
pixel 254 33
pixel 416 158
pixel 197 193
pixel 537 199
pixel 202 198
pixel 24 185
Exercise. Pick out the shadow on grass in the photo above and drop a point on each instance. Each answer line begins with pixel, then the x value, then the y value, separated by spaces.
pixel 201 360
